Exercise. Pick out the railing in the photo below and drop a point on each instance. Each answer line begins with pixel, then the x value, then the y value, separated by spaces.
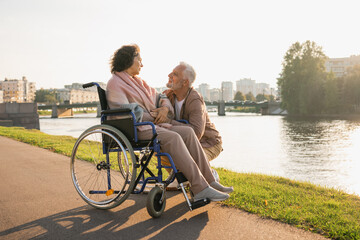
pixel 74 105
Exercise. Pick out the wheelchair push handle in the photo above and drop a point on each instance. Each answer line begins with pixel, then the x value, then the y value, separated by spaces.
pixel 87 85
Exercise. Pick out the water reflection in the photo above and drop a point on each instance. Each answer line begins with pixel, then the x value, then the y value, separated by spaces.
pixel 322 151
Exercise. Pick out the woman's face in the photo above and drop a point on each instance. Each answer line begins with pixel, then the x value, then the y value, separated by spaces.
pixel 136 67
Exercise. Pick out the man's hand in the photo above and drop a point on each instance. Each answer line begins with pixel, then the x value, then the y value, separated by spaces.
pixel 169 94
pixel 160 115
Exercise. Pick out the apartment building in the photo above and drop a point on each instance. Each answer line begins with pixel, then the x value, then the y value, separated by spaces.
pixel 215 94
pixel 227 92
pixel 19 91
pixel 245 86
pixel 339 66
pixel 77 95
pixel 79 86
pixel 262 88
pixel 204 90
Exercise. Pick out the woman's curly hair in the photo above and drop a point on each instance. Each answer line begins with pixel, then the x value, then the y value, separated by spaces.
pixel 123 58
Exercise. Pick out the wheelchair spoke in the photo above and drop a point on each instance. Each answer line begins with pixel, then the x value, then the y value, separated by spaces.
pixel 97 166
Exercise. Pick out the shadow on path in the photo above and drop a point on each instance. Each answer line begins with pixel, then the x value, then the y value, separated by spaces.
pixel 88 223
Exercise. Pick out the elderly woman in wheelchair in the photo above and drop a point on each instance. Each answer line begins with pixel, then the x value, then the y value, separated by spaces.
pixel 132 130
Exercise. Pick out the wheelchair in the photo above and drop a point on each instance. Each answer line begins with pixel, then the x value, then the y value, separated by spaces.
pixel 106 158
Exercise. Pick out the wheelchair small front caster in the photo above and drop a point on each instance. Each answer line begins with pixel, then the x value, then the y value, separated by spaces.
pixel 153 205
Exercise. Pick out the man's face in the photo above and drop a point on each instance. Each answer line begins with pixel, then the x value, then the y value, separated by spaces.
pixel 176 78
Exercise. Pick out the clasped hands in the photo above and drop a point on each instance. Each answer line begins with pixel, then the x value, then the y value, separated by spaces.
pixel 160 115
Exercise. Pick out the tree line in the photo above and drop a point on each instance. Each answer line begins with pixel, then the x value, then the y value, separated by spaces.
pixel 249 96
pixel 45 96
pixel 307 89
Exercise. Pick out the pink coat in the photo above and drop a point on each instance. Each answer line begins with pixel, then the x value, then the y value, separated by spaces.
pixel 124 89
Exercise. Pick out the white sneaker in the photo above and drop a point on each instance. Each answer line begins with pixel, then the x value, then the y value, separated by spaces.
pixel 216 175
pixel 221 188
pixel 212 194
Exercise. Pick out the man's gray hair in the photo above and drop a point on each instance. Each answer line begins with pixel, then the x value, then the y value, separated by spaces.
pixel 189 72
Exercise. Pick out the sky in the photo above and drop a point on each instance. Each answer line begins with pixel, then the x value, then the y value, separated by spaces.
pixel 59 42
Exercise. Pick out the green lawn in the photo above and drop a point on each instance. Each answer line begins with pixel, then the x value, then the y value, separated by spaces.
pixel 330 212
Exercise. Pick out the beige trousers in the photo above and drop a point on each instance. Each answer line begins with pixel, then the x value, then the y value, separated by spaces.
pixel 185 149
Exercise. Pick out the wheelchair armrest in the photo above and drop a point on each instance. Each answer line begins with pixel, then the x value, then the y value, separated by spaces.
pixel 152 127
pixel 116 110
pixel 183 121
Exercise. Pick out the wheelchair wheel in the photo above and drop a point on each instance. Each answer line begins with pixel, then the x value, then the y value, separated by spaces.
pixel 100 176
pixel 153 205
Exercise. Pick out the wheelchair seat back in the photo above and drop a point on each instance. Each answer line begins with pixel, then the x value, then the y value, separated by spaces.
pixel 125 123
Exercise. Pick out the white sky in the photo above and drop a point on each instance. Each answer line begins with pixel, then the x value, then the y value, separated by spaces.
pixel 54 43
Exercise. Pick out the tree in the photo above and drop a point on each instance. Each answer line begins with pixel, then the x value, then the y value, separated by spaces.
pixel 249 96
pixel 50 98
pixel 331 95
pixel 271 98
pixel 302 79
pixel 261 97
pixel 351 89
pixel 45 96
pixel 239 96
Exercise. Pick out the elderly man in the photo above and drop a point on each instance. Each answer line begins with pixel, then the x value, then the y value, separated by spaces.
pixel 189 105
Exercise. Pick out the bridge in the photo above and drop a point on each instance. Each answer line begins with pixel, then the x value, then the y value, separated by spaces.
pixel 61 110
pixel 66 110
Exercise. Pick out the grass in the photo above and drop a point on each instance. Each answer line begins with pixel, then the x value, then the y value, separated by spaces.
pixel 326 211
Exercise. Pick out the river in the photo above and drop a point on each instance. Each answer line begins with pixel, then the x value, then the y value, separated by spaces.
pixel 321 151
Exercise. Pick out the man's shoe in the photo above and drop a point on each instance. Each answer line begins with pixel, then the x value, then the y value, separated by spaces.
pixel 211 194
pixel 221 188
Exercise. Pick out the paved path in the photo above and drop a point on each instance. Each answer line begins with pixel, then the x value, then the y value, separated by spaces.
pixel 38 201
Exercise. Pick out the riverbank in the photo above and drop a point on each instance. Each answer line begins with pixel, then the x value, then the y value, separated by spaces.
pixel 326 211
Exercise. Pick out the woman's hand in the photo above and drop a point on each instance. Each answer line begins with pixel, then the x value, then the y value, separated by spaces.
pixel 160 115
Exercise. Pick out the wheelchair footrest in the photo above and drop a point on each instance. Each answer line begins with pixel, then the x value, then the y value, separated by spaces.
pixel 200 203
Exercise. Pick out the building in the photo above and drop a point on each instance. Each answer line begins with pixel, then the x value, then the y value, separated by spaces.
pixel 227 92
pixel 19 91
pixel 339 66
pixel 262 88
pixel 1 96
pixel 75 93
pixel 79 86
pixel 66 95
pixel 214 94
pixel 204 90
pixel 245 86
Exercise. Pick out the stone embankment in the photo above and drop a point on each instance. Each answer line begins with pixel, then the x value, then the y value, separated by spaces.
pixel 19 114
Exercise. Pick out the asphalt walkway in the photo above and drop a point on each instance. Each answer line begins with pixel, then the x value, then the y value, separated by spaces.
pixel 39 201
